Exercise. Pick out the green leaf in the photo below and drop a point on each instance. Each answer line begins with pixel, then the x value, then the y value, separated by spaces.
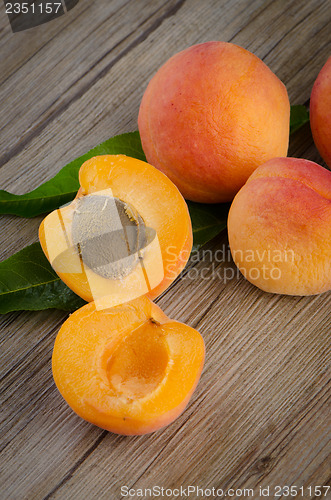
pixel 63 187
pixel 28 282
pixel 207 221
pixel 299 117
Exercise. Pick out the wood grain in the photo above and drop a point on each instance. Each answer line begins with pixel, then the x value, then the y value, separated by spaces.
pixel 260 414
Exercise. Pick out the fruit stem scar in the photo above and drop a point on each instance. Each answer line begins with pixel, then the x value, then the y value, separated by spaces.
pixel 154 321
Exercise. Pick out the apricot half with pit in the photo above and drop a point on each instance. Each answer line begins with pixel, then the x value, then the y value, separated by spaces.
pixel 127 233
pixel 128 369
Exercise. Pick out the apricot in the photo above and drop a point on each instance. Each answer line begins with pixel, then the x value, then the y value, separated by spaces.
pixel 279 227
pixel 320 112
pixel 210 116
pixel 127 233
pixel 127 369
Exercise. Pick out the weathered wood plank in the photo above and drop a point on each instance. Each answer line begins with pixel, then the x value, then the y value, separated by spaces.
pixel 68 66
pixel 18 49
pixel 262 377
pixel 88 117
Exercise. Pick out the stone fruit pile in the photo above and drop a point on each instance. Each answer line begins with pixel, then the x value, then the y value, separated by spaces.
pixel 214 125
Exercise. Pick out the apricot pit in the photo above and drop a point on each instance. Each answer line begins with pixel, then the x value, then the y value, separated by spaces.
pixel 108 248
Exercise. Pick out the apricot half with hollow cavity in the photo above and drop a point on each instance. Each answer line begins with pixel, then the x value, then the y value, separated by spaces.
pixel 127 233
pixel 128 369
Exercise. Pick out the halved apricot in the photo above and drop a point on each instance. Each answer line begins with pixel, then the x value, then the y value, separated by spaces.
pixel 127 233
pixel 127 369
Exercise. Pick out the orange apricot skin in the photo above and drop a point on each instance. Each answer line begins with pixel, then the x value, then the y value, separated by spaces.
pixel 118 172
pixel 88 339
pixel 211 115
pixel 320 112
pixel 279 227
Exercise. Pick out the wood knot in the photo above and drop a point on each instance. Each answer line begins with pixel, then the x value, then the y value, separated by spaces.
pixel 263 465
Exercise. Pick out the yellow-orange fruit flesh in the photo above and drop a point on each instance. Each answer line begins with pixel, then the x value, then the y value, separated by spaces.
pixel 279 227
pixel 320 112
pixel 161 207
pixel 210 116
pixel 129 369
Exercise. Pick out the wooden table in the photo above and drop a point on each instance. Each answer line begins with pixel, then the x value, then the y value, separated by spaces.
pixel 259 416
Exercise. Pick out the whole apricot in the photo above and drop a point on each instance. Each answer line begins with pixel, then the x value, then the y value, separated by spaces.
pixel 279 227
pixel 128 369
pixel 210 116
pixel 320 112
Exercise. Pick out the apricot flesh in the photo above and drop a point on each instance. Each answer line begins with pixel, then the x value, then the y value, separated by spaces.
pixel 127 233
pixel 127 369
pixel 320 112
pixel 279 227
pixel 210 116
